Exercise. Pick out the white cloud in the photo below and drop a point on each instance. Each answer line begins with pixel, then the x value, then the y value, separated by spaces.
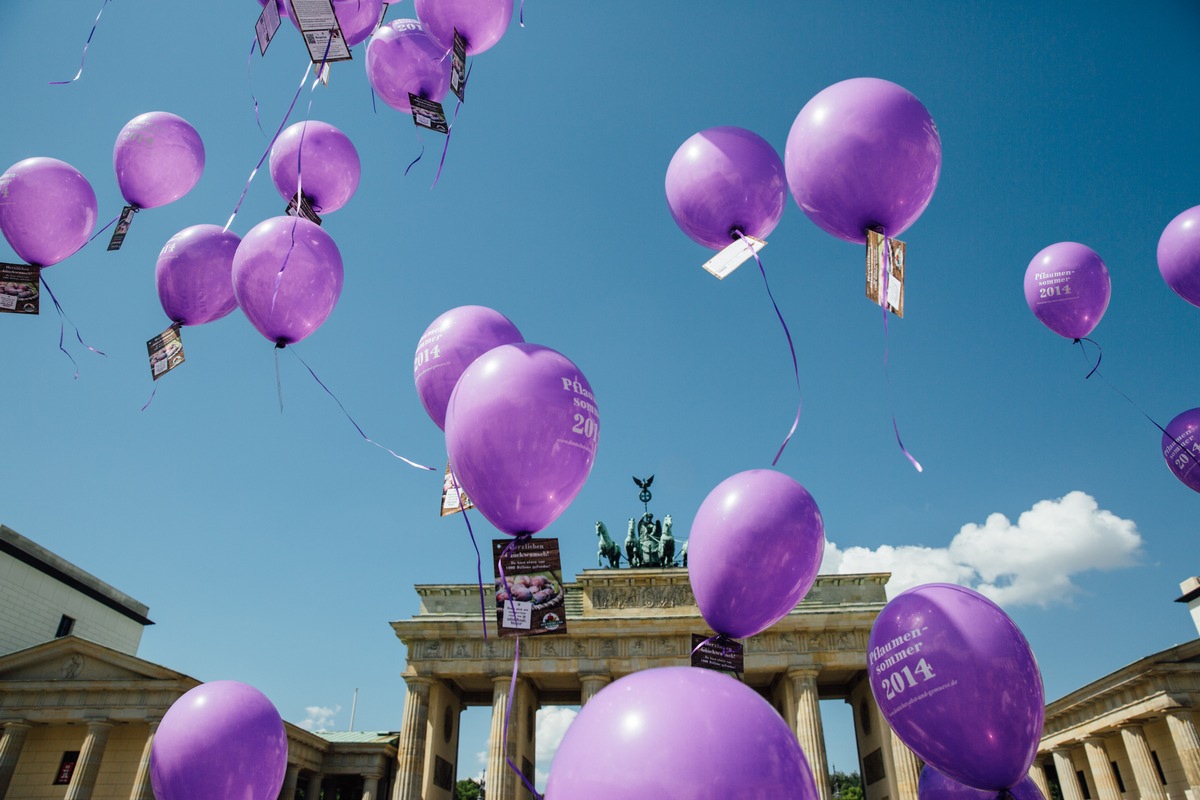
pixel 320 718
pixel 1027 563
pixel 552 723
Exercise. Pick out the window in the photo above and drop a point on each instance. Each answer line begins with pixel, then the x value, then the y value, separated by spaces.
pixel 65 626
pixel 66 768
pixel 1087 795
pixel 1158 766
pixel 1117 772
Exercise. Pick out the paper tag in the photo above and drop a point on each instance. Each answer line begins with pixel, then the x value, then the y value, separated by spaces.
pixel 166 351
pixel 428 114
pixel 533 602
pixel 895 277
pixel 317 24
pixel 722 653
pixel 304 210
pixel 454 499
pixel 733 256
pixel 458 67
pixel 123 223
pixel 266 26
pixel 19 289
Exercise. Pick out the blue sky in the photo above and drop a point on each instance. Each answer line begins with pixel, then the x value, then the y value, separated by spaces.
pixel 275 548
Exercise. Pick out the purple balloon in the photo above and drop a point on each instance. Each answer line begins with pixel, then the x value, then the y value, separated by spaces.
pixel 521 431
pixel 754 550
pixel 1067 288
pixel 449 345
pixel 480 22
pixel 357 18
pixel 287 277
pixel 725 741
pixel 863 153
pixel 1181 447
pixel 933 785
pixel 1179 255
pixel 220 739
pixel 319 157
pixel 723 180
pixel 401 58
pixel 956 680
pixel 194 274
pixel 158 158
pixel 47 210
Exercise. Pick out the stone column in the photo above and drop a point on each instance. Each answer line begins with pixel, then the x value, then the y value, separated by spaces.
pixel 371 786
pixel 10 752
pixel 1101 766
pixel 1186 740
pixel 808 726
pixel 591 685
pixel 142 790
pixel 1068 781
pixel 906 769
pixel 410 750
pixel 291 779
pixel 501 782
pixel 1038 773
pixel 88 766
pixel 1148 783
pixel 313 790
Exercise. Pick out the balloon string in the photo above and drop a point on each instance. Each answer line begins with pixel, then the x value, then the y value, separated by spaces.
pixel 286 257
pixel 478 558
pixel 521 18
pixel 791 345
pixel 450 129
pixel 62 320
pixel 152 393
pixel 250 83
pixel 1096 371
pixel 373 108
pixel 418 158
pixel 83 57
pixel 352 422
pixel 883 290
pixel 278 382
pixel 512 683
pixel 97 233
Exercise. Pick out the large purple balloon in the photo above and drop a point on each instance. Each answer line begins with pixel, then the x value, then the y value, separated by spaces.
pixel 863 153
pixel 723 180
pixel 357 18
pixel 480 22
pixel 1179 255
pixel 47 210
pixel 287 277
pixel 401 58
pixel 1067 288
pixel 754 550
pixel 158 158
pixel 956 680
pixel 319 158
pixel 1181 447
pixel 194 274
pixel 724 741
pixel 933 785
pixel 521 431
pixel 221 739
pixel 449 345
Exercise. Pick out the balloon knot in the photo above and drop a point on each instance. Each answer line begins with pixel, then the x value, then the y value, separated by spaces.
pixel 280 344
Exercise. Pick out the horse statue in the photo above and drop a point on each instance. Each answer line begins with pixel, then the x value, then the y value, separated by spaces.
pixel 633 550
pixel 649 533
pixel 608 548
pixel 683 553
pixel 666 544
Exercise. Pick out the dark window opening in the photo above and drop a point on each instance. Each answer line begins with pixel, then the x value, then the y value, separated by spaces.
pixel 1117 772
pixel 66 768
pixel 1158 766
pixel 65 626
pixel 1087 795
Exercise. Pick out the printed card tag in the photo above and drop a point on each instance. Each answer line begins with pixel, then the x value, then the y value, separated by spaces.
pixel 166 351
pixel 893 280
pixel 458 67
pixel 267 25
pixel 428 114
pixel 722 653
pixel 530 597
pixel 123 223
pixel 733 256
pixel 322 34
pixel 19 289
pixel 454 499
pixel 304 209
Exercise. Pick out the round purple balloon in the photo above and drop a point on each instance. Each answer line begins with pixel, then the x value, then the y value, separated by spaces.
pixel 1179 255
pixel 1181 447
pixel 521 430
pixel 1067 288
pixel 194 274
pixel 863 154
pixel 754 550
pixel 320 159
pixel 401 58
pixel 287 277
pixel 480 22
pixel 220 739
pixel 158 158
pixel 933 785
pixel 723 180
pixel 449 345
pixel 725 741
pixel 47 210
pixel 956 680
pixel 356 18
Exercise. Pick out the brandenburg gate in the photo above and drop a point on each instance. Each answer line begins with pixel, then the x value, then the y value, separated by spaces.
pixel 619 622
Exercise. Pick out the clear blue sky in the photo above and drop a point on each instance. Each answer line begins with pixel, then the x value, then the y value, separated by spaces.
pixel 275 548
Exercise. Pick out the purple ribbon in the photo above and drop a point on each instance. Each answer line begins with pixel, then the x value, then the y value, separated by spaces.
pixel 1096 371
pixel 478 558
pixel 250 83
pixel 521 18
pixel 512 684
pixel 97 233
pixel 450 129
pixel 62 320
pixel 883 290
pixel 418 158
pixel 83 57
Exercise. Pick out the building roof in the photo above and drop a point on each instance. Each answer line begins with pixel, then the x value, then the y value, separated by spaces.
pixel 359 737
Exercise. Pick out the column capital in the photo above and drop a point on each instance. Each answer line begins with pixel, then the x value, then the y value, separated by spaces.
pixel 1064 749
pixel 804 672
pixel 419 683
pixel 16 725
pixel 97 724
pixel 1095 738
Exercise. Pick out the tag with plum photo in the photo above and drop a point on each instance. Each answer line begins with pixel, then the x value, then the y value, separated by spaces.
pixel 719 652
pixel 530 596
pixel 19 289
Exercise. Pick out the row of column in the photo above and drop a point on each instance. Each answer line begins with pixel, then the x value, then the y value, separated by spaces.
pixel 87 767
pixel 1145 774
pixel 291 780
